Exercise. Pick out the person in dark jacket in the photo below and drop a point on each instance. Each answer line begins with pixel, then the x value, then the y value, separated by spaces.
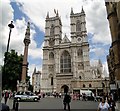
pixel 111 103
pixel 66 101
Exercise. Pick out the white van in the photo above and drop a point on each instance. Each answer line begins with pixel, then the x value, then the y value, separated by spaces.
pixel 87 92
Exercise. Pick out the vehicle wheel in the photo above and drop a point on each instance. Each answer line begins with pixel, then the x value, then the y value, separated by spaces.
pixel 35 99
pixel 18 99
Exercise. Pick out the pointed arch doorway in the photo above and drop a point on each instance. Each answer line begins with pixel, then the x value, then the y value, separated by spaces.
pixel 64 89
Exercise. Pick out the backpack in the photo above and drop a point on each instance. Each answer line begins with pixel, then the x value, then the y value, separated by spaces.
pixel 67 99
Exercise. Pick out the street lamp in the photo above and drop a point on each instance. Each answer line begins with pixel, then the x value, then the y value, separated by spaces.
pixel 11 26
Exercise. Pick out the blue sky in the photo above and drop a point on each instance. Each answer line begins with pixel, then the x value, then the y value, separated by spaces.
pixel 21 12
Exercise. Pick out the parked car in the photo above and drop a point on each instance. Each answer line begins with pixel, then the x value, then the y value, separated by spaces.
pixel 26 96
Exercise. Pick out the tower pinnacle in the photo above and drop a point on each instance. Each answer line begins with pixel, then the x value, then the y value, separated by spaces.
pixel 71 11
pixel 57 13
pixel 82 11
pixel 47 15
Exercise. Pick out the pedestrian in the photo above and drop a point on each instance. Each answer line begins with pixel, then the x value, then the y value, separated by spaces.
pixel 6 96
pixel 111 103
pixel 66 101
pixel 103 106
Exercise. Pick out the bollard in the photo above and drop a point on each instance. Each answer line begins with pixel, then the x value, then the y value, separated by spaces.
pixel 14 104
pixel 17 105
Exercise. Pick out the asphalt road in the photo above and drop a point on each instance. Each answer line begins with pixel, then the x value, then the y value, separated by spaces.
pixel 55 104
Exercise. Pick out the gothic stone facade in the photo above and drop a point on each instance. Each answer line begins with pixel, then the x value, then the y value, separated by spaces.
pixel 36 80
pixel 66 63
pixel 113 15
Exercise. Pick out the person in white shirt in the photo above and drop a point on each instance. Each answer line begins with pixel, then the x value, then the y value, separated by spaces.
pixel 103 106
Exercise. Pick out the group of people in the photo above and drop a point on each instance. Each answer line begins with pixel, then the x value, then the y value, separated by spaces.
pixel 107 104
pixel 77 96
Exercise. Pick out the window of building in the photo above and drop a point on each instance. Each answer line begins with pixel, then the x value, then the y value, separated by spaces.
pixel 79 52
pixel 78 25
pixel 83 85
pixel 52 30
pixel 51 55
pixel 80 77
pixel 90 85
pixel 80 66
pixel 65 62
pixel 51 81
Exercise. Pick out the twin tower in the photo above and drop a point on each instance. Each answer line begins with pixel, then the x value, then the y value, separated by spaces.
pixel 53 28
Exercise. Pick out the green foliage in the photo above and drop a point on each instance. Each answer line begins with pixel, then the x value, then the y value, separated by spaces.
pixel 12 70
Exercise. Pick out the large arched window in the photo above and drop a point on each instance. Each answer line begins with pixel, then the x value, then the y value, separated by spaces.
pixel 51 55
pixel 78 28
pixel 52 30
pixel 65 62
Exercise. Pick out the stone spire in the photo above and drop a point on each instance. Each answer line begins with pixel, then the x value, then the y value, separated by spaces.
pixel 47 15
pixel 57 14
pixel 99 63
pixel 82 11
pixel 25 63
pixel 71 11
pixel 23 86
pixel 34 70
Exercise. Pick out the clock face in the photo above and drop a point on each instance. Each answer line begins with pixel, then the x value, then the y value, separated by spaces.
pixel 79 39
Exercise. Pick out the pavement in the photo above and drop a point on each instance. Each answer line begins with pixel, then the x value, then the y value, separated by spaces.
pixel 118 105
pixel 55 104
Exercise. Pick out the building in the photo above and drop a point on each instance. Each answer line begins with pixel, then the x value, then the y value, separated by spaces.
pixel 113 15
pixel 66 63
pixel 36 79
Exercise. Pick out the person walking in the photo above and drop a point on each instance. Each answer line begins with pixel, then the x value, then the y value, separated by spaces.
pixel 6 96
pixel 111 103
pixel 66 101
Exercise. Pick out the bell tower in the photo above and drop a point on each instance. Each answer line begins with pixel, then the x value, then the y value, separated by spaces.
pixel 78 27
pixel 53 30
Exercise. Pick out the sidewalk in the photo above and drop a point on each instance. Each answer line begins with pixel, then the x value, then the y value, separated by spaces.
pixel 118 105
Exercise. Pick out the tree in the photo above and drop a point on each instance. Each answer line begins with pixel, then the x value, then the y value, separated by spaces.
pixel 12 70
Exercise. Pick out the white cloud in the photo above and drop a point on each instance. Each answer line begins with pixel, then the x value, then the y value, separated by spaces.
pixel 96 16
pixel 5 18
pixel 98 51
pixel 17 35
pixel 96 22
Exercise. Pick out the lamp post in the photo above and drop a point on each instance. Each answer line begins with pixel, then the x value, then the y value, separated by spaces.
pixel 11 26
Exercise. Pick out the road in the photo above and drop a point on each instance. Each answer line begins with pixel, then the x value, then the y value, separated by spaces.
pixel 55 104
